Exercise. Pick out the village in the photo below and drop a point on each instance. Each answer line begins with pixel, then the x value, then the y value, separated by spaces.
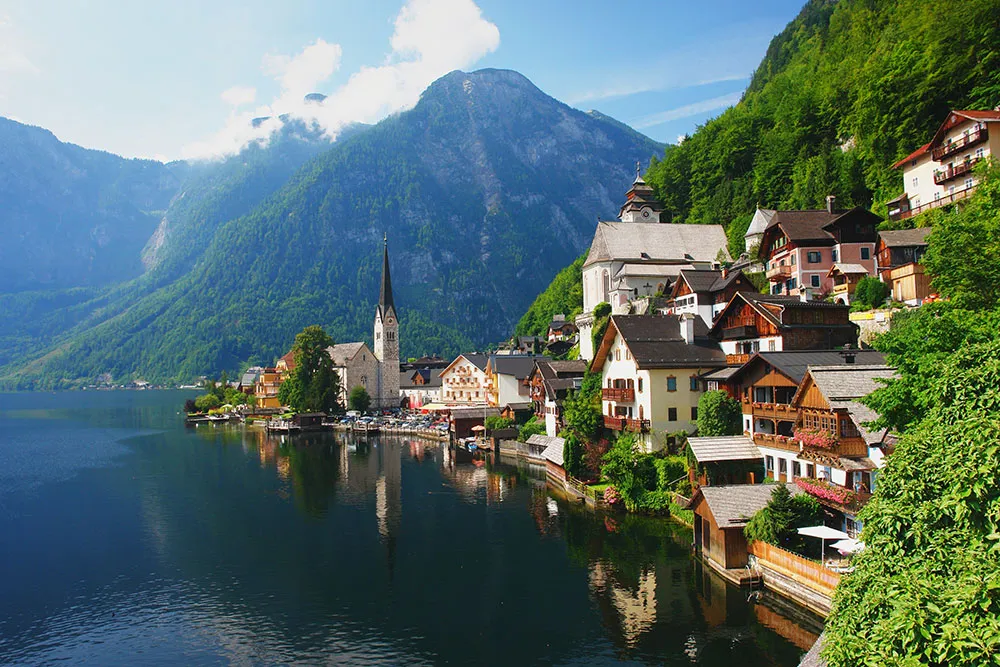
pixel 780 334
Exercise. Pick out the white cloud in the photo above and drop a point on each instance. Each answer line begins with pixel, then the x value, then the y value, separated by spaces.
pixel 239 96
pixel 688 110
pixel 13 58
pixel 430 39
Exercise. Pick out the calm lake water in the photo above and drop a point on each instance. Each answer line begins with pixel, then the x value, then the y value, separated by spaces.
pixel 126 538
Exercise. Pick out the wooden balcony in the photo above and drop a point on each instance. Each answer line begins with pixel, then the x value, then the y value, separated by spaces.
pixel 785 443
pixel 780 411
pixel 626 424
pixel 736 333
pixel 737 359
pixel 779 274
pixel 948 173
pixel 937 203
pixel 970 139
pixel 842 290
pixel 620 395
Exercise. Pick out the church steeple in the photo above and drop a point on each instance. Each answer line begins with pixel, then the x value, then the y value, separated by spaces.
pixel 641 204
pixel 385 293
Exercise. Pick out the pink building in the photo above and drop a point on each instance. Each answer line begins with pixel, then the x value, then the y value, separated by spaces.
pixel 799 248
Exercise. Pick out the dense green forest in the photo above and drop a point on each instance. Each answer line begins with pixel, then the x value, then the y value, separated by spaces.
pixel 563 295
pixel 846 90
pixel 925 589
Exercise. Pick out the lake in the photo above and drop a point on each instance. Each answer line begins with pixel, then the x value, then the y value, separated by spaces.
pixel 127 538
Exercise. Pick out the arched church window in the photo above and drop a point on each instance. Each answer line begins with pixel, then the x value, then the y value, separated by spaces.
pixel 607 286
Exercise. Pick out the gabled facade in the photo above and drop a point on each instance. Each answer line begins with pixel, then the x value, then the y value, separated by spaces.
pixel 561 329
pixel 548 385
pixel 639 257
pixel 941 171
pixel 465 381
pixel 419 387
pixel 650 369
pixel 266 388
pixel 898 256
pixel 753 323
pixel 706 292
pixel 357 366
pixel 508 378
pixel 845 278
pixel 800 247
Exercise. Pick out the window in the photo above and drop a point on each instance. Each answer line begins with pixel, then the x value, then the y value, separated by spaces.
pixel 914 181
pixel 618 355
pixel 671 414
pixel 968 183
pixel 796 469
pixel 640 385
pixel 814 257
pixel 815 281
pixel 694 383
pixel 937 195
pixel 770 345
pixel 792 283
pixel 769 464
pixel 866 253
pixel 694 414
pixel 979 153
pixel 671 383
pixel 628 353
pixel 792 260
pixel 833 254
pixel 810 470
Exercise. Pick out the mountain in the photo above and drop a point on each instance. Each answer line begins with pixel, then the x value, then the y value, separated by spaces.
pixel 847 89
pixel 485 189
pixel 73 217
pixel 843 92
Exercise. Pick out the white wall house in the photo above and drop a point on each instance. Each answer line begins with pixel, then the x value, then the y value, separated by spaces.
pixel 464 381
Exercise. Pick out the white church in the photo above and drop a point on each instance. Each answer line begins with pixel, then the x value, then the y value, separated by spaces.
pixel 638 256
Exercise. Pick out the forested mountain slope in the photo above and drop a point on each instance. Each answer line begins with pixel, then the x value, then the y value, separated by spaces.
pixel 844 91
pixel 485 189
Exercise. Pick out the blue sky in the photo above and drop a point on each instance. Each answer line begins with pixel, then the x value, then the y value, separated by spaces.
pixel 182 79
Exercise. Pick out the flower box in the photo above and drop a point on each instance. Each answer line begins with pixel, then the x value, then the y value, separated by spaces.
pixel 826 491
pixel 815 438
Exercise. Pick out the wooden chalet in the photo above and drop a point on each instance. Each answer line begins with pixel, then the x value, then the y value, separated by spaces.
pixel 753 323
pixel 706 292
pixel 898 254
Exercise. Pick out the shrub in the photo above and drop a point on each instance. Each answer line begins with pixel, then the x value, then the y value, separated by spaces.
pixel 495 423
pixel 530 428
pixel 207 402
pixel 653 502
pixel 719 414
pixel 870 292
pixel 611 496
pixel 669 470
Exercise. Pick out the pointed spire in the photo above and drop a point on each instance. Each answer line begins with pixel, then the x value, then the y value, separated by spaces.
pixel 385 294
pixel 638 176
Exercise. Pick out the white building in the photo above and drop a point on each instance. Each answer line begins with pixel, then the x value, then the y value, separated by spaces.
pixel 639 257
pixel 465 381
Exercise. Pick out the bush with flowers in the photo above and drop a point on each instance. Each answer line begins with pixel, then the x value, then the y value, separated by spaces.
pixel 815 438
pixel 611 496
pixel 825 490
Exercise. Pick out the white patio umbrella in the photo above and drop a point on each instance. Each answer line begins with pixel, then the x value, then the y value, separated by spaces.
pixel 824 533
pixel 848 546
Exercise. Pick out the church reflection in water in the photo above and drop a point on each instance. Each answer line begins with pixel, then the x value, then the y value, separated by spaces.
pixel 639 571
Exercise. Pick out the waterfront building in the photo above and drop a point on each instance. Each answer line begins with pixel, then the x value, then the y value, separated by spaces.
pixel 726 459
pixel 419 387
pixel 897 258
pixel 940 172
pixel 464 381
pixel 548 385
pixel 650 369
pixel 266 388
pixel 508 378
pixel 800 247
pixel 753 323
pixel 636 259
pixel 356 366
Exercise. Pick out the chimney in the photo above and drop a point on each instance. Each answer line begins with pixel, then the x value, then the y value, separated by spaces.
pixel 687 327
pixel 849 354
pixel 805 294
pixel 829 203
pixel 725 272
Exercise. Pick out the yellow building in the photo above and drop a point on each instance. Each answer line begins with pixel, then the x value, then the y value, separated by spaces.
pixel 650 369
pixel 266 388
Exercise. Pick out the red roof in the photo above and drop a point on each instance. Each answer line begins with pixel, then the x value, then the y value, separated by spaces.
pixel 980 115
pixel 913 156
pixel 289 360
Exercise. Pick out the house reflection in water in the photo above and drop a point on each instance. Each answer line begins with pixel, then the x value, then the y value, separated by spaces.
pixel 635 606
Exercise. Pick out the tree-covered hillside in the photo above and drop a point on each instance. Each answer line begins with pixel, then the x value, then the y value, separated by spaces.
pixel 844 91
pixel 563 295
pixel 485 189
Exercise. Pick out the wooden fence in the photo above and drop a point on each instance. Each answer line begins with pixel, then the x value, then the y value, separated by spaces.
pixel 803 570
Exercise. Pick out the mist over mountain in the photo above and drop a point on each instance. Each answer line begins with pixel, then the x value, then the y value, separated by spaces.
pixel 485 189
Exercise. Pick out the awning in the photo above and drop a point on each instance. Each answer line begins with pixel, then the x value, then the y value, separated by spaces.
pixel 434 407
pixel 848 546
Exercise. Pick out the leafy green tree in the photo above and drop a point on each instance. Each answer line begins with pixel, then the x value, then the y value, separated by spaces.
pixel 207 402
pixel 719 414
pixel 870 292
pixel 563 295
pixel 531 427
pixel 582 408
pixel 777 522
pixel 313 385
pixel 573 456
pixel 359 399
pixel 924 590
pixel 496 422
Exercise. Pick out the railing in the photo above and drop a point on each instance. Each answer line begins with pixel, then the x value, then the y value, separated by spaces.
pixel 737 359
pixel 784 442
pixel 937 203
pixel 807 572
pixel 843 288
pixel 772 410
pixel 620 394
pixel 948 173
pixel 968 140
pixel 779 273
pixel 745 331
pixel 626 424
pixel 834 495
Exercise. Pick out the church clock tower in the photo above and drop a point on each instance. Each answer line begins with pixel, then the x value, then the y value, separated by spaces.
pixel 386 340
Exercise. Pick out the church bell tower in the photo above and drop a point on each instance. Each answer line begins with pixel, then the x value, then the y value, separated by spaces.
pixel 386 340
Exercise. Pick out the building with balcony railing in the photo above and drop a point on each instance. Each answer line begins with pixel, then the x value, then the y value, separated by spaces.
pixel 897 259
pixel 941 172
pixel 549 384
pixel 651 368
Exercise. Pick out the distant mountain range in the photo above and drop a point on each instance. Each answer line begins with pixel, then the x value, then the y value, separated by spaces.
pixel 485 189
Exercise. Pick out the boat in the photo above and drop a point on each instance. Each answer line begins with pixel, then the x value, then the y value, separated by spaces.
pixel 365 428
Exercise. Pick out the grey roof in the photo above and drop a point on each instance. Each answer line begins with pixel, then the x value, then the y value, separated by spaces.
pixel 900 238
pixel 860 414
pixel 845 382
pixel 522 405
pixel 761 219
pixel 553 447
pixel 732 506
pixel 776 316
pixel 658 241
pixel 814 225
pixel 794 363
pixel 560 376
pixel 474 412
pixel 657 269
pixel 724 448
pixel 431 379
pixel 863 463
pixel 655 341
pixel 700 280
pixel 520 366
pixel 476 359
pixel 721 373
pixel 343 352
